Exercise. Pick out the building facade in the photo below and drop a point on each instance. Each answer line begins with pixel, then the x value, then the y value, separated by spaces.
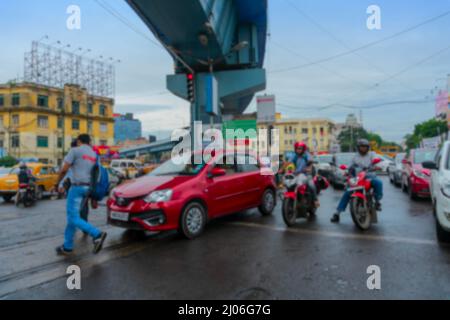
pixel 126 127
pixel 350 122
pixel 316 133
pixel 40 122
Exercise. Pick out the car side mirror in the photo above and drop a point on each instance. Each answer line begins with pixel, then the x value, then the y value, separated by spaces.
pixel 217 172
pixel 343 167
pixel 429 165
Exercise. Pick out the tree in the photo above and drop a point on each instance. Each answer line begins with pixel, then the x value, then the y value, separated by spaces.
pixel 8 161
pixel 427 129
pixel 349 137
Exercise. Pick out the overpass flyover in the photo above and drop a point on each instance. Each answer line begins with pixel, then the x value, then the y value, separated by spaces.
pixel 223 40
pixel 154 150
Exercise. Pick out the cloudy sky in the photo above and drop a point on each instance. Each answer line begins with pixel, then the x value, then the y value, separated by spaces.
pixel 391 81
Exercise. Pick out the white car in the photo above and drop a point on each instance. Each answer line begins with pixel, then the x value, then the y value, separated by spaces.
pixel 322 163
pixel 129 168
pixel 385 163
pixel 395 170
pixel 440 191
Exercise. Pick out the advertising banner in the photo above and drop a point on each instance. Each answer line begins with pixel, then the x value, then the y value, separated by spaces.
pixel 266 109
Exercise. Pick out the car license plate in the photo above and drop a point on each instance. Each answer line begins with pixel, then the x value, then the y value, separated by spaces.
pixel 120 216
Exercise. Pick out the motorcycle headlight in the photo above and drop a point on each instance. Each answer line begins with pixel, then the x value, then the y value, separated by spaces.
pixel 159 196
pixel 445 189
pixel 353 181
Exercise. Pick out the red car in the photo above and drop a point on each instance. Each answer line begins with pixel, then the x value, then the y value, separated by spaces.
pixel 416 179
pixel 184 197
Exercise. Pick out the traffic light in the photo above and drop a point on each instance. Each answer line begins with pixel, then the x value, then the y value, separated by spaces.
pixel 190 87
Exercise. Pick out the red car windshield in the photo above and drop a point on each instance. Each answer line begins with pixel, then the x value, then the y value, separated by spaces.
pixel 170 168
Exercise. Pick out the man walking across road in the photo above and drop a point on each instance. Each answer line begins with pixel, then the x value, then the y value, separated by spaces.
pixel 81 161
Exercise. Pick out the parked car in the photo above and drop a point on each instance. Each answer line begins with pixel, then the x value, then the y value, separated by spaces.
pixel 130 168
pixel 46 175
pixel 415 178
pixel 184 197
pixel 440 191
pixel 386 161
pixel 322 164
pixel 395 169
pixel 338 177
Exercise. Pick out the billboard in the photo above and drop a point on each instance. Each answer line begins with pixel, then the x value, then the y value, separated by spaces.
pixel 442 104
pixel 246 127
pixel 266 109
pixel 431 143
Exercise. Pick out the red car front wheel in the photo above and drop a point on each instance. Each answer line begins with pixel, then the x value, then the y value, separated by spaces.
pixel 268 202
pixel 193 220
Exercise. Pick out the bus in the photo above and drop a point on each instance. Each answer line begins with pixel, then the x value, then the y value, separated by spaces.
pixel 390 151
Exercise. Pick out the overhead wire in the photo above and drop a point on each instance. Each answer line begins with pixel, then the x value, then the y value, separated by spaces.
pixel 365 46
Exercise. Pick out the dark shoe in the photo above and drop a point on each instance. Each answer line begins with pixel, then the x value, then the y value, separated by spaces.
pixel 336 218
pixel 378 206
pixel 98 243
pixel 61 251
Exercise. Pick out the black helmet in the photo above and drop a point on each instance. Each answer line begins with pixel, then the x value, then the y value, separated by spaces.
pixel 363 143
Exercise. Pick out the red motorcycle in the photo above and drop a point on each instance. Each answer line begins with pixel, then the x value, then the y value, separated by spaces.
pixel 362 200
pixel 297 199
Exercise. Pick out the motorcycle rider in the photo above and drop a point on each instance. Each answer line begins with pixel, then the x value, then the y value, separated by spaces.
pixel 25 176
pixel 303 162
pixel 363 160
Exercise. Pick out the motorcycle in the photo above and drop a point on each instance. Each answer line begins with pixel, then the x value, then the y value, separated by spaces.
pixel 26 195
pixel 362 199
pixel 297 199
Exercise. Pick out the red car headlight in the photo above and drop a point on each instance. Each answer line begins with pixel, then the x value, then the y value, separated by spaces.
pixel 159 196
pixel 420 174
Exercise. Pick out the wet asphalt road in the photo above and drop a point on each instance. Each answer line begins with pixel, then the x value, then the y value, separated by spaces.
pixel 244 256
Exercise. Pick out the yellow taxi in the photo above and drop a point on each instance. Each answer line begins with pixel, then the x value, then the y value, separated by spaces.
pixel 46 178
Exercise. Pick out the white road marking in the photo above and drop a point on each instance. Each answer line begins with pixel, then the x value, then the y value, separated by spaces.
pixel 332 234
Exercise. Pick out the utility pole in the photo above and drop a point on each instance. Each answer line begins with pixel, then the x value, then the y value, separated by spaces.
pixel 361 117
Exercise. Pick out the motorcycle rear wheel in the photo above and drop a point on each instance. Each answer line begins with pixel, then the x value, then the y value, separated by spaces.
pixel 360 217
pixel 289 212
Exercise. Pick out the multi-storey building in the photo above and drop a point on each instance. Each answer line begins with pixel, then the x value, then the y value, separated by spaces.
pixel 40 122
pixel 317 133
pixel 126 127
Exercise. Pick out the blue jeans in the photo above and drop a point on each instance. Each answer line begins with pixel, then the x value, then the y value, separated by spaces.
pixel 377 185
pixel 74 221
